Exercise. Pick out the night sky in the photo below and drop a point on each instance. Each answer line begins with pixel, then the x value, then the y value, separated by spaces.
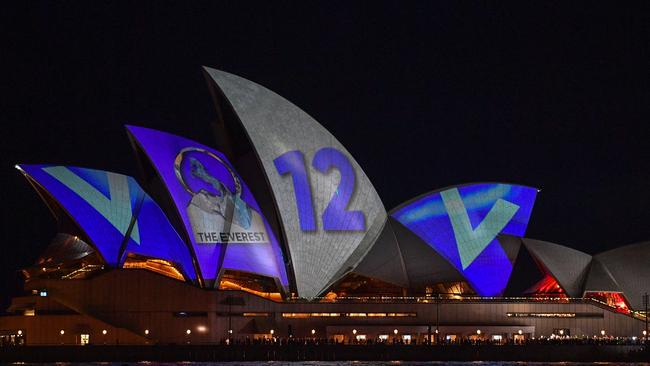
pixel 424 95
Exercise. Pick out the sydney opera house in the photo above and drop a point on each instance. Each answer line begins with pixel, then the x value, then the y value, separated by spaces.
pixel 274 230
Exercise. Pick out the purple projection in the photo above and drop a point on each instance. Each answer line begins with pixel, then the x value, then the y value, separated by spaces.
pixel 222 218
pixel 462 224
pixel 114 212
pixel 335 217
pixel 293 162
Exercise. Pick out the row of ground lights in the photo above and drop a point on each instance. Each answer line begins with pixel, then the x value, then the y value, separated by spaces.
pixel 313 331
pixel 146 331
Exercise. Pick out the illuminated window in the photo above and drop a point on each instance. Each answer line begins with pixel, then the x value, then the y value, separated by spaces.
pixel 541 315
pixel 84 339
pixel 449 288
pixel 356 286
pixel 554 315
pixel 255 284
pixel 42 293
pixel 82 272
pixel 296 315
pixel 309 315
pixel 563 332
pixel 29 312
pixel 155 265
pixel 379 315
pixel 350 315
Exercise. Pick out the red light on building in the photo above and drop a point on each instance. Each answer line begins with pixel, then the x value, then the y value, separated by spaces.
pixel 615 300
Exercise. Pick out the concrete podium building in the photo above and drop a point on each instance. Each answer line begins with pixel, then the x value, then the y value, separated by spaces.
pixel 274 230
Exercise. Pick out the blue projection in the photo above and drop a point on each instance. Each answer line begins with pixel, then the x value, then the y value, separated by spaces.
pixel 114 212
pixel 336 217
pixel 462 224
pixel 225 225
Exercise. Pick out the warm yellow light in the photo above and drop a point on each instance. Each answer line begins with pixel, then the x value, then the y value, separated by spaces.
pixel 308 315
pixel 520 332
pixel 561 331
pixel 602 332
pixel 159 266
pixel 146 331
pixel 229 285
pixel 104 332
pixel 395 331
pixel 478 331
pixel 20 332
pixel 313 331
pixel 201 328
pixel 645 332
pixel 188 332
pixel 62 332
pixel 272 331
pixel 354 331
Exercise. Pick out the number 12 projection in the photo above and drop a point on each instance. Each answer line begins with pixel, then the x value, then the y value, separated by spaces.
pixel 336 216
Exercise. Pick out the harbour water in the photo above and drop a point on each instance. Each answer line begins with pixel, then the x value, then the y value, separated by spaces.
pixel 325 363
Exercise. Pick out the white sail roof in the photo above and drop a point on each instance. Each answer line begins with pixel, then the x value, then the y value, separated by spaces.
pixel 331 232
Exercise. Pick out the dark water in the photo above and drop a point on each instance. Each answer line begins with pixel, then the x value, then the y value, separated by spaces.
pixel 325 363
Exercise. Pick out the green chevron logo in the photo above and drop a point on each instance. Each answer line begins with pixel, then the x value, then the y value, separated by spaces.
pixel 469 241
pixel 116 209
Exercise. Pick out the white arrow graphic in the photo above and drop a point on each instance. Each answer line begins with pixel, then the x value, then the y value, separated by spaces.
pixel 472 242
pixel 116 209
